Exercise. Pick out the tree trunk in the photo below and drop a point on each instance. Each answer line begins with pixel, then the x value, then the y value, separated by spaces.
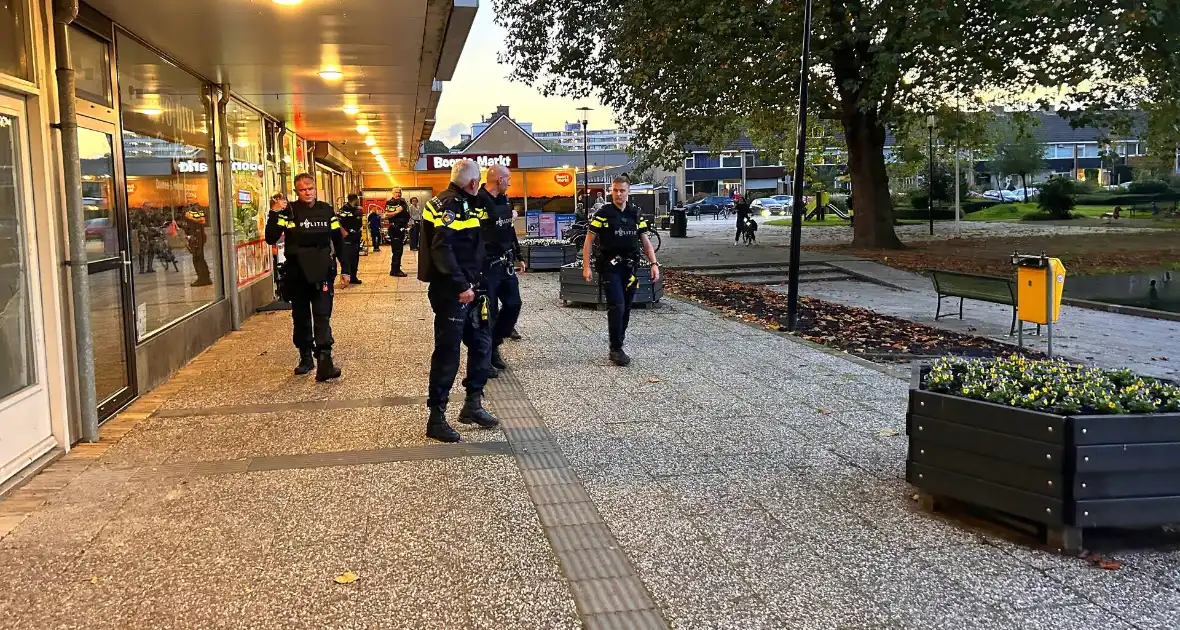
pixel 865 136
pixel 1024 185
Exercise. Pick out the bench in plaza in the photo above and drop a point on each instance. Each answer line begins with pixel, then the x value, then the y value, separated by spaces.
pixel 970 286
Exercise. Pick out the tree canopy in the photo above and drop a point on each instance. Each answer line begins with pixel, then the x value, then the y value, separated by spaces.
pixel 434 146
pixel 706 70
pixel 1019 152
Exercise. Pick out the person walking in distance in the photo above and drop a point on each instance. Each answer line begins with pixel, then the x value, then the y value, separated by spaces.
pixel 397 213
pixel 742 209
pixel 375 228
pixel 450 260
pixel 415 223
pixel 502 262
pixel 313 240
pixel 352 224
pixel 623 233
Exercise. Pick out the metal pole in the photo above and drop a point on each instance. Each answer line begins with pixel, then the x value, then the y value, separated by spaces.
pixel 64 13
pixel 586 159
pixel 229 256
pixel 800 150
pixel 1049 302
pixel 958 229
pixel 930 182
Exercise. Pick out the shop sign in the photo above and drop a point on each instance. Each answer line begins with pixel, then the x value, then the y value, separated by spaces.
pixel 244 197
pixel 563 179
pixel 485 160
pixel 532 223
pixel 254 261
pixel 130 189
pixel 564 221
pixel 193 166
pixel 548 225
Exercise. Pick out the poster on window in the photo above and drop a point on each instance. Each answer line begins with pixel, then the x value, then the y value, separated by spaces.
pixel 532 223
pixel 254 261
pixel 564 221
pixel 548 227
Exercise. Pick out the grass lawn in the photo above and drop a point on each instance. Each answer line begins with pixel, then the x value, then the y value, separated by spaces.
pixel 1017 211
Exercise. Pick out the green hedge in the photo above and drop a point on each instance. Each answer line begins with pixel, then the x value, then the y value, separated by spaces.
pixel 1127 199
pixel 911 214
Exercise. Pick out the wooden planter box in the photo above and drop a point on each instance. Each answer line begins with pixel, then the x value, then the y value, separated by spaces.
pixel 575 289
pixel 547 257
pixel 1064 473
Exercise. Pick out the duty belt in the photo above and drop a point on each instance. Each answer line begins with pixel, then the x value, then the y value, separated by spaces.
pixel 632 265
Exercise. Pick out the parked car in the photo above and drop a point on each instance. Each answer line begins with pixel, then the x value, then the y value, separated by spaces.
pixel 715 206
pixel 770 206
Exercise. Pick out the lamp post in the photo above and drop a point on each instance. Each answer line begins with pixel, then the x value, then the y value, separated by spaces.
pixel 930 180
pixel 797 180
pixel 585 154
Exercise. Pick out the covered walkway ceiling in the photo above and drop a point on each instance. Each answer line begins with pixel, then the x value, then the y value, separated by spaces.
pixel 390 55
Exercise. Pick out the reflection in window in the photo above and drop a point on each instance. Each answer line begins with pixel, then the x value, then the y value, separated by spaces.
pixel 98 194
pixel 91 60
pixel 247 152
pixel 14 42
pixel 166 149
pixel 17 370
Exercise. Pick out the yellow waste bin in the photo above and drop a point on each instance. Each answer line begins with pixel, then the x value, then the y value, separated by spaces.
pixel 1033 293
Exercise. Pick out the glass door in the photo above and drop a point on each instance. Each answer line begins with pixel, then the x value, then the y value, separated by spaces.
pixel 109 261
pixel 25 427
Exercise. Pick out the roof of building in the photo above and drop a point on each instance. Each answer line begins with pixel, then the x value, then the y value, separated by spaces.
pixel 499 122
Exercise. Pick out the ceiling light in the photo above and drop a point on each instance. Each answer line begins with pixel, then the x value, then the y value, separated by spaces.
pixel 351 110
pixel 375 151
pixel 370 141
pixel 243 143
pixel 331 75
pixel 362 129
pixel 287 3
pixel 151 111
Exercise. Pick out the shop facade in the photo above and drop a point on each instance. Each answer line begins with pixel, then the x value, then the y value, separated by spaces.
pixel 176 175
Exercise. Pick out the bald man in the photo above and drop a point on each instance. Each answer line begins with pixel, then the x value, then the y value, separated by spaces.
pixel 502 261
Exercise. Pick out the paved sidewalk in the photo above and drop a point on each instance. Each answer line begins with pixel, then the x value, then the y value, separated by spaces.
pixel 730 478
pixel 1148 346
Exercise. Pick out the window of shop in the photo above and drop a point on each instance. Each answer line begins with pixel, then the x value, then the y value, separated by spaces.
pixel 248 152
pixel 90 57
pixel 173 218
pixel 14 42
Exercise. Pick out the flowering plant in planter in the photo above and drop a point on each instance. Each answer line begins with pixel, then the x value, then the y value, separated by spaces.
pixel 543 242
pixel 1052 386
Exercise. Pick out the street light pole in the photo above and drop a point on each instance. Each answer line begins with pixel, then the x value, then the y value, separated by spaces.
pixel 585 154
pixel 800 150
pixel 930 180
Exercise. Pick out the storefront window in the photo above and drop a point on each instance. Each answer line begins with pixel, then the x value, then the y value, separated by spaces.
pixel 14 42
pixel 91 59
pixel 16 334
pixel 248 152
pixel 173 221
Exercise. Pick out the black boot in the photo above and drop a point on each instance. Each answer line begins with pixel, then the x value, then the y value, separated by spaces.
pixel 437 427
pixel 515 336
pixel 620 358
pixel 306 362
pixel 474 413
pixel 325 369
pixel 497 361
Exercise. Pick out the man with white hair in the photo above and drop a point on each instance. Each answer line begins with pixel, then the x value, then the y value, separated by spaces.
pixel 451 260
pixel 503 260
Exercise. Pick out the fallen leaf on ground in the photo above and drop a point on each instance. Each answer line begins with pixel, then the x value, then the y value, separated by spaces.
pixel 823 411
pixel 94 580
pixel 888 432
pixel 348 577
pixel 654 379
pixel 1101 562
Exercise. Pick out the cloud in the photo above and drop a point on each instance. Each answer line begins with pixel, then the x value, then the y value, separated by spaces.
pixel 450 136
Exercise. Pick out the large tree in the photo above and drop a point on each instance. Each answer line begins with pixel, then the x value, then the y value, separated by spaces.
pixel 431 147
pixel 1019 152
pixel 706 70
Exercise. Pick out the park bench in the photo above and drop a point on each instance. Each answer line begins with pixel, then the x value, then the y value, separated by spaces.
pixel 993 289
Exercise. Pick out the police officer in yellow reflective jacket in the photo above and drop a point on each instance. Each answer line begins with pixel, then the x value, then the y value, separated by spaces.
pixel 352 223
pixel 451 260
pixel 623 234
pixel 314 241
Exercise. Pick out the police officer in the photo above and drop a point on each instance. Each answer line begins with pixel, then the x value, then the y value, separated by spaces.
pixel 451 259
pixel 313 234
pixel 622 232
pixel 502 262
pixel 397 212
pixel 352 223
pixel 375 228
pixel 195 222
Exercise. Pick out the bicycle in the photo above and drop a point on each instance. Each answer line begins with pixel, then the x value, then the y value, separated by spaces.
pixel 749 232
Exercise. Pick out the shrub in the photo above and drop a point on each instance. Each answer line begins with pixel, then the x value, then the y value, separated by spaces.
pixel 1148 188
pixel 909 214
pixel 1175 183
pixel 1086 187
pixel 1107 199
pixel 1057 197
pixel 1091 174
pixel 1054 386
pixel 976 206
pixel 919 200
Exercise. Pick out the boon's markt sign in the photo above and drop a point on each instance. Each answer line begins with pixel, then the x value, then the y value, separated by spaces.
pixel 485 160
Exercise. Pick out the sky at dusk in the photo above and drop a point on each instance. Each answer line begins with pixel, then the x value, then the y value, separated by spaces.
pixel 481 84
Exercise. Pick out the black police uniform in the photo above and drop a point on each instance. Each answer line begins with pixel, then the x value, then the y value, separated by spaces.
pixel 398 223
pixel 375 229
pixel 351 221
pixel 195 221
pixel 502 252
pixel 742 209
pixel 313 233
pixel 618 233
pixel 451 259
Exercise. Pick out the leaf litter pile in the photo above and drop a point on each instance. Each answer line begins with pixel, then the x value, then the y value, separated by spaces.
pixel 857 331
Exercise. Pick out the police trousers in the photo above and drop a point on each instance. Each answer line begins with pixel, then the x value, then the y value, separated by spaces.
pixel 619 292
pixel 503 299
pixel 397 241
pixel 311 314
pixel 351 260
pixel 456 324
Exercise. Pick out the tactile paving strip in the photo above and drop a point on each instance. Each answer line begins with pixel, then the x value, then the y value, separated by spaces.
pixel 608 592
